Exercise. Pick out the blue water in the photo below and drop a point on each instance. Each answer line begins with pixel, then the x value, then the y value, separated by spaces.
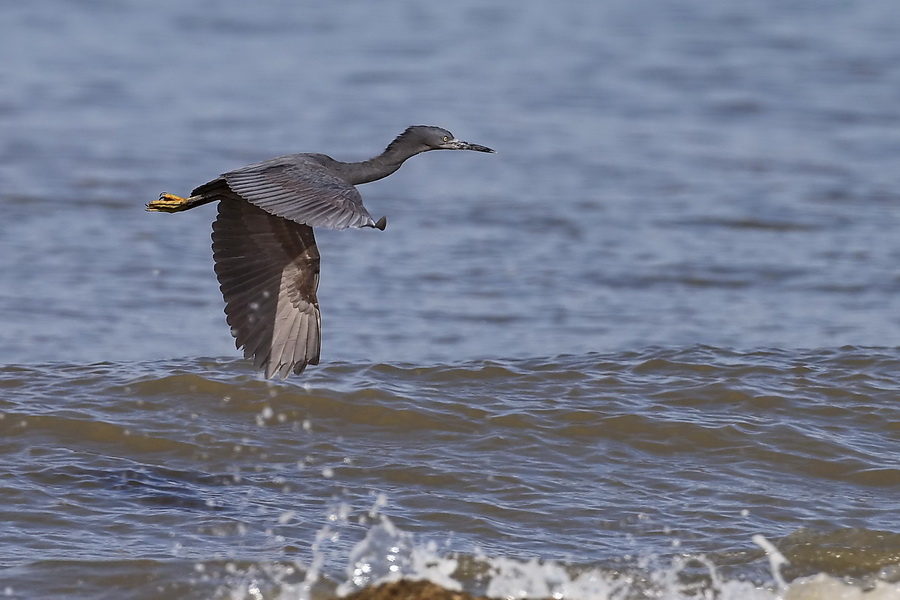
pixel 681 190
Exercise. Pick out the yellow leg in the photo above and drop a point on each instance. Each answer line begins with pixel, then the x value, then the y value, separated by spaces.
pixel 170 203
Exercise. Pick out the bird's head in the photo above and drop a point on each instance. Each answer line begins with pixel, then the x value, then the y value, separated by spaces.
pixel 427 137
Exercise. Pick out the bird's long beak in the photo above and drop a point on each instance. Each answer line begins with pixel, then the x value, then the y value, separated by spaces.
pixel 461 145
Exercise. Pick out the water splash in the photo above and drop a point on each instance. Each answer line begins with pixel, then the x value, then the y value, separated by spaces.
pixel 387 554
pixel 776 559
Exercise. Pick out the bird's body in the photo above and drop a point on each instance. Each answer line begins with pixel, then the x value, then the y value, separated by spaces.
pixel 264 249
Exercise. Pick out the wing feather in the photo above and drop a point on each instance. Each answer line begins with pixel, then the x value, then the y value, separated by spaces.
pixel 299 188
pixel 268 271
pixel 285 333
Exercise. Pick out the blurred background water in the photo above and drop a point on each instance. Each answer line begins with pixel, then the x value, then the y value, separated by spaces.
pixel 661 319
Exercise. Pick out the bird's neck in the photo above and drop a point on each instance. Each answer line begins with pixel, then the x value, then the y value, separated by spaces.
pixel 380 166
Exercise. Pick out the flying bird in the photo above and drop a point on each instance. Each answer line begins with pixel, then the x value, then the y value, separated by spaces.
pixel 264 249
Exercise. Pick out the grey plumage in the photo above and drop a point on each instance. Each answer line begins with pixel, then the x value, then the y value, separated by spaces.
pixel 264 249
pixel 268 271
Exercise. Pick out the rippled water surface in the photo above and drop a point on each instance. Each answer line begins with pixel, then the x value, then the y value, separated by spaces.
pixel 124 472
pixel 661 320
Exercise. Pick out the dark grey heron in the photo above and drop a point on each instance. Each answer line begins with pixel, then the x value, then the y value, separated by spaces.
pixel 264 250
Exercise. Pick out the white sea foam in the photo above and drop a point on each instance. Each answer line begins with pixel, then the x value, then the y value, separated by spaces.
pixel 387 553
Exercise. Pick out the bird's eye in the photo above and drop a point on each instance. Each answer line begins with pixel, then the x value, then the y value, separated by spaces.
pixel 446 138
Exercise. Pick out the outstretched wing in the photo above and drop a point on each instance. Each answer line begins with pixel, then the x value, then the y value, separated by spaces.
pixel 298 188
pixel 268 271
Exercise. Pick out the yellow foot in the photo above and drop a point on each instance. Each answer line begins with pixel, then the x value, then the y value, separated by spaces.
pixel 170 203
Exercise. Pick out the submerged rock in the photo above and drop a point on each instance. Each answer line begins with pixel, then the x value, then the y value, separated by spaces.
pixel 410 590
